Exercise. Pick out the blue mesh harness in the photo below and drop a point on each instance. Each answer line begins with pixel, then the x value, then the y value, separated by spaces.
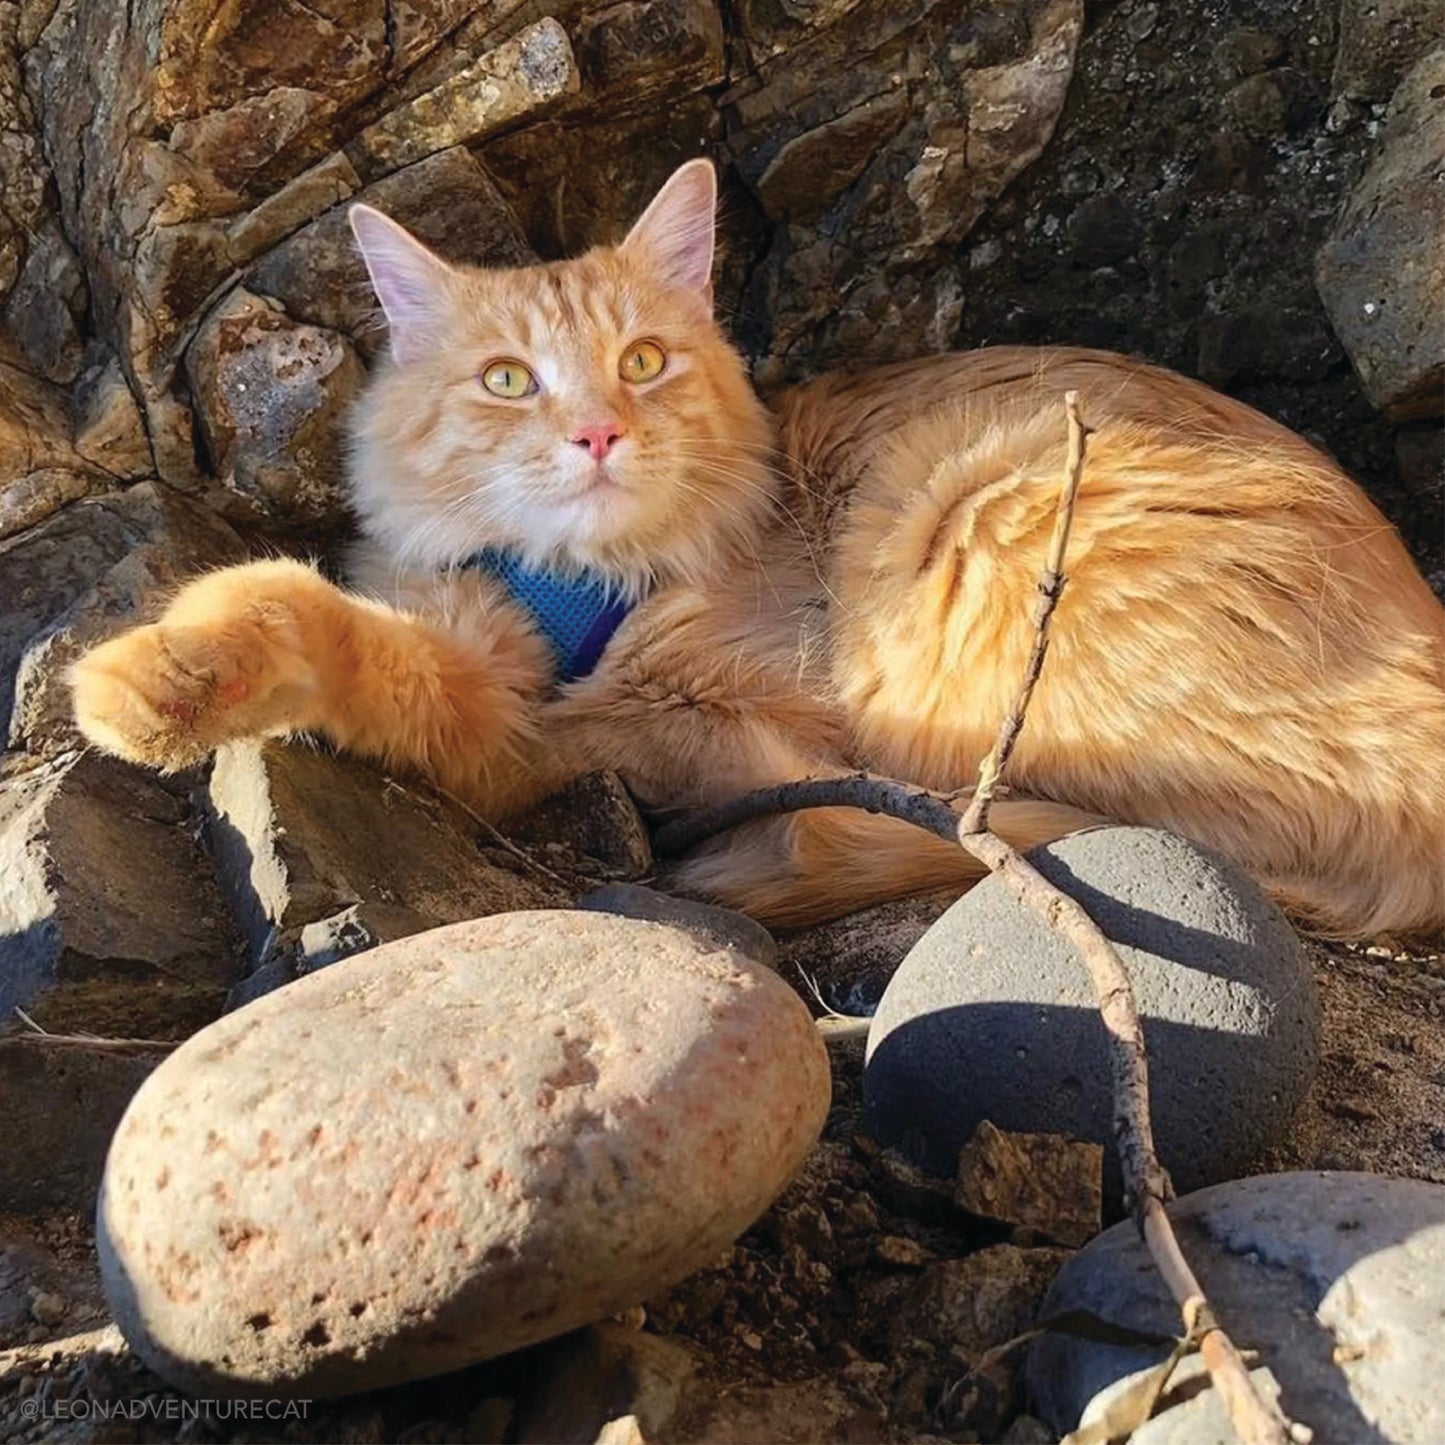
pixel 577 615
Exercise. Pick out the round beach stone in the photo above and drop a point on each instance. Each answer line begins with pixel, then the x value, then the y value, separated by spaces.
pixel 450 1147
pixel 1337 1280
pixel 993 1016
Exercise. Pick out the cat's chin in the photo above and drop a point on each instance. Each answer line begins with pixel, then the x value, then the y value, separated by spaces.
pixel 602 512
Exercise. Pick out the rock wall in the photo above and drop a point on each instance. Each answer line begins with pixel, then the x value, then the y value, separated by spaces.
pixel 1246 191
pixel 1212 201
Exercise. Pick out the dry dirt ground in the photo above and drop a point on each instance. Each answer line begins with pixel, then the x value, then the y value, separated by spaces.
pixel 846 1314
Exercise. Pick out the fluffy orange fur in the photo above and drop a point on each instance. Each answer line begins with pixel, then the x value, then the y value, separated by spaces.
pixel 1244 652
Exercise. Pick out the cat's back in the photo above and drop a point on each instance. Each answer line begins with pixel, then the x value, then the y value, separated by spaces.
pixel 1166 452
pixel 839 424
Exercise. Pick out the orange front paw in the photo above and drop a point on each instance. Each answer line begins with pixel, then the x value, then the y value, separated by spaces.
pixel 227 661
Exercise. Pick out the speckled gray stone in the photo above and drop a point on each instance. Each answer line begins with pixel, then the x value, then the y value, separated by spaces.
pixel 449 1147
pixel 992 1016
pixel 1336 1279
pixel 723 926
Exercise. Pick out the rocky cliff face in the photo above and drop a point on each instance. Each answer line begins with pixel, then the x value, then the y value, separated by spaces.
pixel 1246 191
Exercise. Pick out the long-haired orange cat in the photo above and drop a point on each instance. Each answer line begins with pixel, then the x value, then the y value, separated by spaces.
pixel 1243 654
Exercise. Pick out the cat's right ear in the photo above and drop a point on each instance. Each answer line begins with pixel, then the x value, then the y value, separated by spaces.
pixel 411 281
pixel 676 231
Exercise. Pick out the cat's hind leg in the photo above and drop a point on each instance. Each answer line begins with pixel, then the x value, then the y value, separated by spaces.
pixel 816 865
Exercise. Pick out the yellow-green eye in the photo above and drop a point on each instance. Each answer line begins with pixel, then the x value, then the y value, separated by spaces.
pixel 509 379
pixel 642 361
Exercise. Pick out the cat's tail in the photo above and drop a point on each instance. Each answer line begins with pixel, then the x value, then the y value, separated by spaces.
pixel 813 866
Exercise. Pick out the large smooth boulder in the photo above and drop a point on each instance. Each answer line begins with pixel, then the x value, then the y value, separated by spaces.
pixel 451 1147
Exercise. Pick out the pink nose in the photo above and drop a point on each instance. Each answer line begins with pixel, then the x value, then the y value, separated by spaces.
pixel 600 438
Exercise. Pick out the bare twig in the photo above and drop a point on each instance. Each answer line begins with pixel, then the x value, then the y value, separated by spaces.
pixel 624 1430
pixel 1144 1176
pixel 853 790
pixel 1050 587
pixel 35 1035
pixel 1256 1421
pixel 842 1028
pixel 1146 1183
pixel 835 1027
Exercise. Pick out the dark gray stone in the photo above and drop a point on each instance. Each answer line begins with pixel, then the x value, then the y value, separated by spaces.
pixel 640 46
pixel 1336 1279
pixel 447 200
pixel 965 1308
pixel 848 962
pixel 109 431
pixel 1102 231
pixel 257 984
pixel 82 575
pixel 594 817
pixel 721 926
pixel 993 1016
pixel 46 304
pixel 271 398
pixel 1381 274
pixel 1379 41
pixel 1420 456
pixel 1246 52
pixel 63 1099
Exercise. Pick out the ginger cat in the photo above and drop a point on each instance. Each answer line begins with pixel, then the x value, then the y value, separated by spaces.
pixel 1244 652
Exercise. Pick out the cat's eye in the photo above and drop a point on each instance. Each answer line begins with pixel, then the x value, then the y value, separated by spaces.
pixel 508 379
pixel 642 361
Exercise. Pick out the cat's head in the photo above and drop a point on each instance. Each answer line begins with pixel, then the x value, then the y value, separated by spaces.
pixel 587 413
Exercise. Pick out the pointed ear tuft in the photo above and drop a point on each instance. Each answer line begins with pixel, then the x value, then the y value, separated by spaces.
pixel 410 280
pixel 675 232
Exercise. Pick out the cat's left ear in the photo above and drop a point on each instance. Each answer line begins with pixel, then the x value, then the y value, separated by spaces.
pixel 676 231
pixel 411 281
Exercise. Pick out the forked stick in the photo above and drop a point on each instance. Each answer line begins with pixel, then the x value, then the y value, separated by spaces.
pixel 1255 1420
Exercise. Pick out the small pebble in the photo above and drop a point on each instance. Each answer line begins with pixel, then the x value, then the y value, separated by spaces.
pixel 900 1252
pixel 47 1308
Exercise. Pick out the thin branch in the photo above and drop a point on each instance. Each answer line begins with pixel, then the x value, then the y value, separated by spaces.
pixel 833 1026
pixel 1144 1176
pixel 842 1028
pixel 866 791
pixel 1147 1186
pixel 1050 588
pixel 35 1036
